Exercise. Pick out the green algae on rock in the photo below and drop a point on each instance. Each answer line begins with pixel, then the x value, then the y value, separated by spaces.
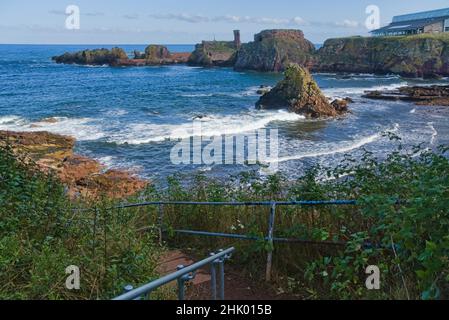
pixel 93 57
pixel 299 93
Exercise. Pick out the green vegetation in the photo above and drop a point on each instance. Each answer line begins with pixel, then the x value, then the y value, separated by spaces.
pixel 41 235
pixel 155 53
pixel 274 50
pixel 432 36
pixel 401 225
pixel 93 57
pixel 422 55
pixel 220 46
pixel 210 53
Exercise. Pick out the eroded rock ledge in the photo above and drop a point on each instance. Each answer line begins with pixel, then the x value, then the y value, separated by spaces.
pixel 299 93
pixel 421 95
pixel 84 177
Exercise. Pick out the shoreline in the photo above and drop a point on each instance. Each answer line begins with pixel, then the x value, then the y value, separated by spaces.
pixel 83 177
pixel 273 50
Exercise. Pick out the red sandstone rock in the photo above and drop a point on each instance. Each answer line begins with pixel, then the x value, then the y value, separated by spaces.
pixel 82 176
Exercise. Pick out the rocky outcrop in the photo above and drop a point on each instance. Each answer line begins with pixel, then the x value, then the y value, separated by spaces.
pixel 93 57
pixel 274 50
pixel 299 93
pixel 214 53
pixel 428 95
pixel 425 55
pixel 153 55
pixel 84 177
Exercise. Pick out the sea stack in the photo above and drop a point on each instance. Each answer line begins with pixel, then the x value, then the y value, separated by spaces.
pixel 274 50
pixel 299 93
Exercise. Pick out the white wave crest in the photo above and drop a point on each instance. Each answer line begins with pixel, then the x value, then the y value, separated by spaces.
pixel 80 128
pixel 434 133
pixel 336 93
pixel 211 126
pixel 341 148
pixel 9 120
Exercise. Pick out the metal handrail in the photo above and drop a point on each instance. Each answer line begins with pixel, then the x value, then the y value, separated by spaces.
pixel 183 275
pixel 249 203
pixel 270 238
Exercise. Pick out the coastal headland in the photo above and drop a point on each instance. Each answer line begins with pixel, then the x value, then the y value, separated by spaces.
pixel 414 56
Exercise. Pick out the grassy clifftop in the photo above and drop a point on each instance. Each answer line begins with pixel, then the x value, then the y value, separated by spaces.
pixel 274 50
pixel 214 53
pixel 424 55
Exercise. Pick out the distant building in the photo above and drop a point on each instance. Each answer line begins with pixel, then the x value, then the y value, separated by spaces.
pixel 435 21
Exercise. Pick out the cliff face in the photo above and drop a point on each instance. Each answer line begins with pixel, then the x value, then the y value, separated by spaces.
pixel 274 50
pixel 425 55
pixel 214 53
pixel 299 93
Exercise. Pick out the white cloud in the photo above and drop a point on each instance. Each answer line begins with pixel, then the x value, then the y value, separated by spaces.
pixel 88 14
pixel 230 19
pixel 93 14
pixel 348 24
pixel 57 12
pixel 181 17
pixel 299 21
pixel 131 16
pixel 296 21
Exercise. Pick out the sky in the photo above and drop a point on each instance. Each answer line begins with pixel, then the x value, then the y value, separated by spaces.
pixel 189 22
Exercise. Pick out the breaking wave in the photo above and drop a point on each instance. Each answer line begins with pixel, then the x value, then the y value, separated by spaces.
pixel 211 126
pixel 340 148
pixel 83 129
pixel 355 91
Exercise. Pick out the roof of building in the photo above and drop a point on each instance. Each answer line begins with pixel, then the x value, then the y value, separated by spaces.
pixel 400 26
pixel 422 15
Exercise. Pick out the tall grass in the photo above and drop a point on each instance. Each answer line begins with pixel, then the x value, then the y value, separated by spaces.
pixel 41 234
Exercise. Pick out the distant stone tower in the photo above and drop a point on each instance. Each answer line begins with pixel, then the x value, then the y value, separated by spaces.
pixel 237 41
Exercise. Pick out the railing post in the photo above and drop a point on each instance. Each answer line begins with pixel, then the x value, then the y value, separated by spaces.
pixel 270 241
pixel 222 276
pixel 213 279
pixel 161 223
pixel 181 285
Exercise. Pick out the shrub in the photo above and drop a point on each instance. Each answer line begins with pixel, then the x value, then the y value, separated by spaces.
pixel 42 234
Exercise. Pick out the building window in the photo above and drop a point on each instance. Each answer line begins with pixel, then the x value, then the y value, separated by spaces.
pixel 446 29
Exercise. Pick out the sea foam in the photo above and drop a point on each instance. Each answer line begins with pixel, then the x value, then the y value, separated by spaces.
pixel 343 147
pixel 82 129
pixel 211 126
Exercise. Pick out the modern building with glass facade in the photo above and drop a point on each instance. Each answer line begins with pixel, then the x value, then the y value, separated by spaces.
pixel 435 21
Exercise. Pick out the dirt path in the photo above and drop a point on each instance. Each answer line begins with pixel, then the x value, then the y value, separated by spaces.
pixel 237 285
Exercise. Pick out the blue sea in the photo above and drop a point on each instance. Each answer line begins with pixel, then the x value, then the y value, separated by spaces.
pixel 130 117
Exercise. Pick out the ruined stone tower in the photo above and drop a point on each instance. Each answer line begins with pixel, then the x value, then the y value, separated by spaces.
pixel 237 41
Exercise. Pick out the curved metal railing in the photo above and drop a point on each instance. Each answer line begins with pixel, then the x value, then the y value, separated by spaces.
pixel 184 275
